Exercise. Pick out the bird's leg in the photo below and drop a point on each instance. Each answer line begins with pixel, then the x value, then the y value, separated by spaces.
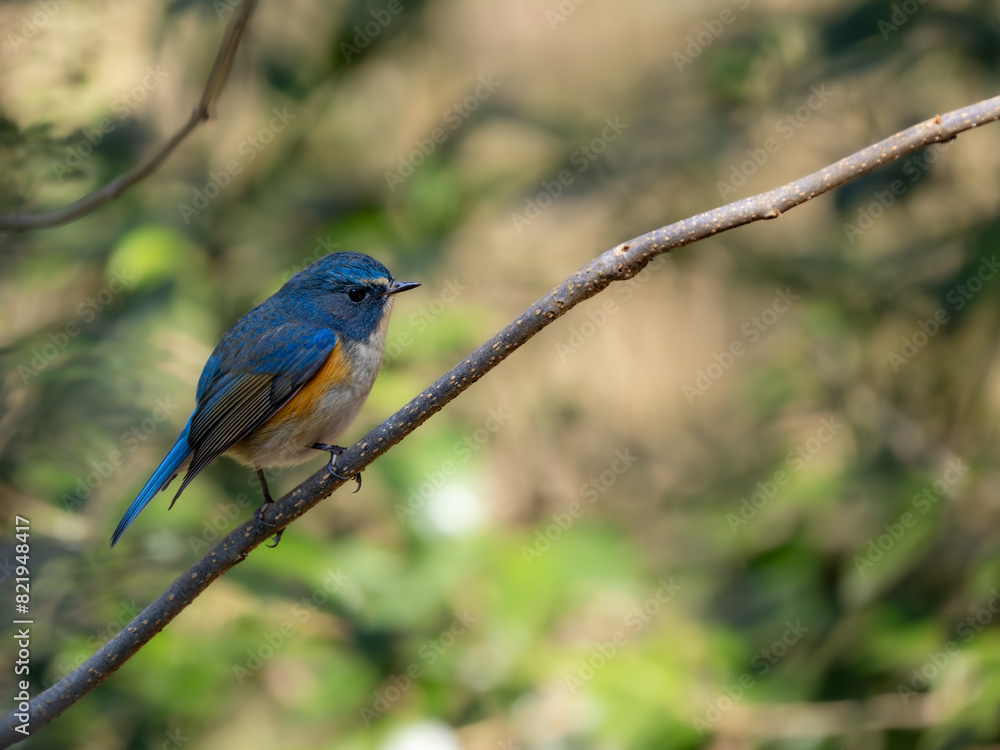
pixel 259 513
pixel 334 451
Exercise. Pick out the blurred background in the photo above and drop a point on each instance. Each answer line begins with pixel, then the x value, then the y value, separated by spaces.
pixel 747 500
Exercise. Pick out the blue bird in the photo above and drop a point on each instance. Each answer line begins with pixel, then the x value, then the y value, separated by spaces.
pixel 288 377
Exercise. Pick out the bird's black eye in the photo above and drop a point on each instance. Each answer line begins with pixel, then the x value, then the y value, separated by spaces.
pixel 356 293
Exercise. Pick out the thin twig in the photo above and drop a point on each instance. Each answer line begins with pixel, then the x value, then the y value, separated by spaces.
pixel 618 263
pixel 213 89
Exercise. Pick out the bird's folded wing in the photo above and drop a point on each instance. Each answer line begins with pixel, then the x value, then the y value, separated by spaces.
pixel 242 394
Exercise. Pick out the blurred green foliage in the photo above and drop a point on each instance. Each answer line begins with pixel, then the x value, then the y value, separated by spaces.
pixel 748 504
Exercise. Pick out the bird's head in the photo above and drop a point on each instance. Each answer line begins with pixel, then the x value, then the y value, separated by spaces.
pixel 353 288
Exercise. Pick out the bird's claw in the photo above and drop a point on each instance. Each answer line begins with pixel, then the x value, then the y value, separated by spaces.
pixel 335 451
pixel 259 513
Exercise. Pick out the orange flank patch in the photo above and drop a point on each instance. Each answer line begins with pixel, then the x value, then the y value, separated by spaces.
pixel 305 403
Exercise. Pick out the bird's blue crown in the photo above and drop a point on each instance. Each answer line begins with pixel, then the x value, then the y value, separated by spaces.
pixel 337 270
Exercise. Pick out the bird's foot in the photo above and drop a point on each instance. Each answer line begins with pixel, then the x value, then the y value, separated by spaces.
pixel 335 451
pixel 259 513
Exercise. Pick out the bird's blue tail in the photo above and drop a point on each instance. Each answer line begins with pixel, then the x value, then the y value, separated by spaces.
pixel 166 471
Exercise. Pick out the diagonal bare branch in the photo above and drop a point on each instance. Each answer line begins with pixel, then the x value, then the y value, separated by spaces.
pixel 213 89
pixel 621 262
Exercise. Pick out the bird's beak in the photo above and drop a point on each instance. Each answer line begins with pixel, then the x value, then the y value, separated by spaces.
pixel 402 286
